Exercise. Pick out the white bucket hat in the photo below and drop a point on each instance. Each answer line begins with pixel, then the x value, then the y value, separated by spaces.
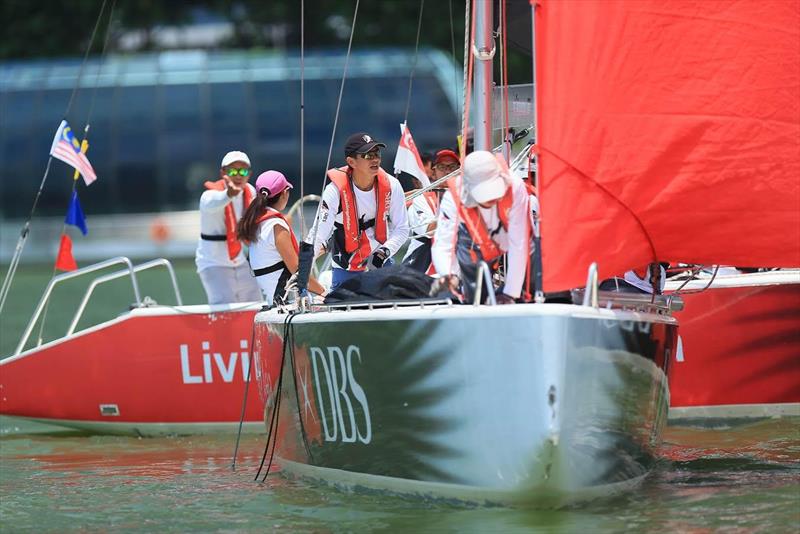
pixel 233 157
pixel 485 177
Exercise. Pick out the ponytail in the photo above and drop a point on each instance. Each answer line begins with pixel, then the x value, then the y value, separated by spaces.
pixel 247 228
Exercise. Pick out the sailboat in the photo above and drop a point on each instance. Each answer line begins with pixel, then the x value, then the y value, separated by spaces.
pixel 153 370
pixel 552 401
pixel 739 341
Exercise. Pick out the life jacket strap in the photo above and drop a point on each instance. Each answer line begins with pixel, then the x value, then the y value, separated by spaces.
pixel 209 237
pixel 271 269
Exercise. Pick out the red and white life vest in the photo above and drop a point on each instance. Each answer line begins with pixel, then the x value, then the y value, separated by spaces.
pixel 471 217
pixel 234 246
pixel 273 214
pixel 356 241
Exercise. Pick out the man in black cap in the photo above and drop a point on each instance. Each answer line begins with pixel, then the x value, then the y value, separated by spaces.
pixel 364 209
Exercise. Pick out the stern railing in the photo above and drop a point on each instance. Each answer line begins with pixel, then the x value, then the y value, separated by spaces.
pixel 131 271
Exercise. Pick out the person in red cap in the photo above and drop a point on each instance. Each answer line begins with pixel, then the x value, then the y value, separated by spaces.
pixel 489 217
pixel 445 162
pixel 363 208
pixel 422 214
pixel 273 245
pixel 221 263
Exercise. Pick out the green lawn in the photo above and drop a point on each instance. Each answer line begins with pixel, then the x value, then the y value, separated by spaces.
pixel 108 300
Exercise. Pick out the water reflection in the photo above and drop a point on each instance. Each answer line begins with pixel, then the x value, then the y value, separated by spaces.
pixel 744 478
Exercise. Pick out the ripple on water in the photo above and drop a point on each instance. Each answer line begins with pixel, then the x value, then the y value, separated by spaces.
pixel 741 479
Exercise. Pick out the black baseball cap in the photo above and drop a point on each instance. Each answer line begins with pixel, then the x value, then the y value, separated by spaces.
pixel 360 143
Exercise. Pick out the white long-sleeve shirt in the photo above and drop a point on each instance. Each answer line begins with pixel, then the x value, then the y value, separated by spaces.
pixel 397 231
pixel 212 222
pixel 515 242
pixel 420 216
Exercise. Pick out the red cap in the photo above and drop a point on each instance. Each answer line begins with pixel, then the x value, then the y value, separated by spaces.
pixel 446 153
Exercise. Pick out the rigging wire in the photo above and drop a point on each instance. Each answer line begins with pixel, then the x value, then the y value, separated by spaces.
pixel 86 57
pixel 453 52
pixel 315 228
pixel 23 236
pixel 414 63
pixel 508 138
pixel 84 147
pixel 302 111
pixel 537 235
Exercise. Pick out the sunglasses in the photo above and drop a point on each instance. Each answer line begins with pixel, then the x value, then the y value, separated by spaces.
pixel 373 154
pixel 241 172
pixel 447 167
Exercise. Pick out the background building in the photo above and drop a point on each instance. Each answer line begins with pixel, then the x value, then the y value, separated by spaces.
pixel 161 122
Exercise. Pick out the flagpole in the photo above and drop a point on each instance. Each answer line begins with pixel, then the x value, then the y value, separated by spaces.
pixel 23 236
pixel 75 175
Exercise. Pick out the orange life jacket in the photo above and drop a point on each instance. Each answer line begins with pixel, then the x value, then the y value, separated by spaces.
pixel 354 238
pixel 477 227
pixel 234 246
pixel 273 214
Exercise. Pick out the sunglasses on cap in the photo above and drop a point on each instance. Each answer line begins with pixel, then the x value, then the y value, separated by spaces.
pixel 241 172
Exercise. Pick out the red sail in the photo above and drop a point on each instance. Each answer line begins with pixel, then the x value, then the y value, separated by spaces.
pixel 668 131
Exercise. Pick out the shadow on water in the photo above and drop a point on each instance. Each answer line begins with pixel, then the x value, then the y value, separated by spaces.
pixel 743 479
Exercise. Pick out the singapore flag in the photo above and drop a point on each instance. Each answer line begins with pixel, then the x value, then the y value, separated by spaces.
pixel 407 158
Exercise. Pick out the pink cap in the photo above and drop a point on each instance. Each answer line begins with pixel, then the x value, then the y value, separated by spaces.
pixel 274 182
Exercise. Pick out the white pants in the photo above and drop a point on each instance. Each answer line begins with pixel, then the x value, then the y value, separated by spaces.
pixel 224 285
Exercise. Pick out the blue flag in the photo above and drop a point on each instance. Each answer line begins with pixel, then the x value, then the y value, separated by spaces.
pixel 75 214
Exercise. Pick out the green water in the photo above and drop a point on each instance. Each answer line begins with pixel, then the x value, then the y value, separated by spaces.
pixel 744 479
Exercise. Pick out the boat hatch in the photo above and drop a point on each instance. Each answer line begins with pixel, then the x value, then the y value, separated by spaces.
pixel 109 410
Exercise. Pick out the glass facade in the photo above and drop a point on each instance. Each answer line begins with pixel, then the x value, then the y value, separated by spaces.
pixel 160 123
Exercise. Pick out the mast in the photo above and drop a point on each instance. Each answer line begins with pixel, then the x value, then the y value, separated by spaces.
pixel 482 83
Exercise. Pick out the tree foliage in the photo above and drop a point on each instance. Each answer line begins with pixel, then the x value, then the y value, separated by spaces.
pixel 51 28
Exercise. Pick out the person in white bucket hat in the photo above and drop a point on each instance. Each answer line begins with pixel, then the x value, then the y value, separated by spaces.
pixel 220 258
pixel 489 218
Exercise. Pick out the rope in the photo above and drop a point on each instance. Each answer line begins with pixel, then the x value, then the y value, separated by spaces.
pixel 469 37
pixel 246 390
pixel 465 92
pixel 23 236
pixel 535 136
pixel 414 64
pixel 335 123
pixel 272 433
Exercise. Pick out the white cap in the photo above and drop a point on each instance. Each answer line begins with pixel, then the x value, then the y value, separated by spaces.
pixel 233 157
pixel 484 176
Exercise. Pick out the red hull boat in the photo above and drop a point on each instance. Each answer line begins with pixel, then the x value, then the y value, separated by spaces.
pixel 151 371
pixel 739 355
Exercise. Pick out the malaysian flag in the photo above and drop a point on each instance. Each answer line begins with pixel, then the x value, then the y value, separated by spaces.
pixel 68 149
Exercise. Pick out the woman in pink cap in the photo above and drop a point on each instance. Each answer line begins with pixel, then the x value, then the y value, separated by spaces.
pixel 273 245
